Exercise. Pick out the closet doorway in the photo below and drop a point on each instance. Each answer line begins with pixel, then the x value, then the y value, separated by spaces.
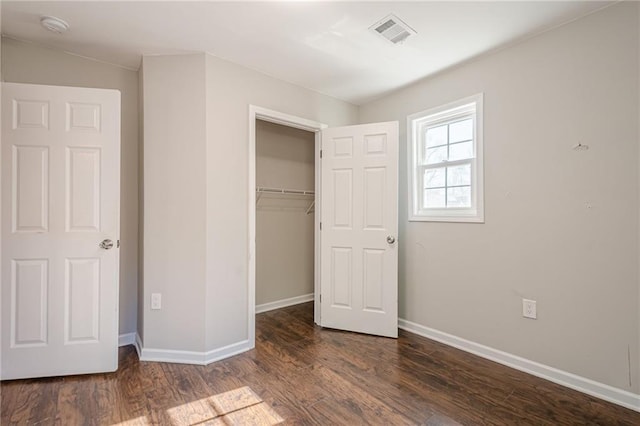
pixel 285 201
pixel 284 191
pixel 356 192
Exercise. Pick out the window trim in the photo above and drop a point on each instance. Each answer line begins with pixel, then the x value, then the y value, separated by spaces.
pixel 431 117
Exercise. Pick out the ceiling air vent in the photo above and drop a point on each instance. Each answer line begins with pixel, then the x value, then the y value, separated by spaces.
pixel 393 29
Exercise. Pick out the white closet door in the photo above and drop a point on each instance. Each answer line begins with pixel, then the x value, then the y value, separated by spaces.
pixel 359 256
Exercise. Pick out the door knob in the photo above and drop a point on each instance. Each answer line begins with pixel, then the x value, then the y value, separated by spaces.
pixel 106 244
pixel 391 239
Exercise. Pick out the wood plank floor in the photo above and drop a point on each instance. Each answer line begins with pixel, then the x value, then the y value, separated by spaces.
pixel 303 374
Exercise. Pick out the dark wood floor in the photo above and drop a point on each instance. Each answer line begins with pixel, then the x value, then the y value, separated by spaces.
pixel 308 375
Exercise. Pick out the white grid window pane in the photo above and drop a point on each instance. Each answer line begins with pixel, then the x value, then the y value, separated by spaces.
pixel 436 155
pixel 461 151
pixel 459 196
pixel 437 136
pixel 461 131
pixel 434 198
pixel 435 178
pixel 459 175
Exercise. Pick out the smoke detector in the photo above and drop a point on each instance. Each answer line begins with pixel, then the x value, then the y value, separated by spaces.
pixel 54 24
pixel 392 29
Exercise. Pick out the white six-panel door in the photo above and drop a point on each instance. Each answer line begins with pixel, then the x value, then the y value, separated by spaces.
pixel 359 256
pixel 60 200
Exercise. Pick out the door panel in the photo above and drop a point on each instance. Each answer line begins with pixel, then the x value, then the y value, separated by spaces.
pixel 374 197
pixel 60 199
pixel 372 280
pixel 359 267
pixel 82 304
pixel 30 188
pixel 29 283
pixel 30 114
pixel 342 277
pixel 83 189
pixel 342 198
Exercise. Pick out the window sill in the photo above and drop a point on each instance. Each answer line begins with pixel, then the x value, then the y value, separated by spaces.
pixel 453 219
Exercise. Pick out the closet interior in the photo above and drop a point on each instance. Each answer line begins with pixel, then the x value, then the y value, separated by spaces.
pixel 285 208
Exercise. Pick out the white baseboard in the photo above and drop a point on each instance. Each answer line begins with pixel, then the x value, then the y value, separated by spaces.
pixel 204 358
pixel 284 303
pixel 191 357
pixel 570 380
pixel 228 351
pixel 126 339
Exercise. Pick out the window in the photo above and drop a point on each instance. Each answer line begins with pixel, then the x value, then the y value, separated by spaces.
pixel 445 163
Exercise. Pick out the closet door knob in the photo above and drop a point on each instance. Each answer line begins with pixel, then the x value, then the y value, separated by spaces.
pixel 106 244
pixel 391 239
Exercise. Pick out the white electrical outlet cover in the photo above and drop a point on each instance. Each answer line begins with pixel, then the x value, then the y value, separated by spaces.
pixel 529 309
pixel 156 301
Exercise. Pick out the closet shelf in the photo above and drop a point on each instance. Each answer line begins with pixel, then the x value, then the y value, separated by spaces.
pixel 265 190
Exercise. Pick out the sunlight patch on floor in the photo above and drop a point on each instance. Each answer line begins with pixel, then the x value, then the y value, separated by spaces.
pixel 237 407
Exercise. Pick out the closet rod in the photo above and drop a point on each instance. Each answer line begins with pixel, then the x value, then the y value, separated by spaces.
pixel 262 189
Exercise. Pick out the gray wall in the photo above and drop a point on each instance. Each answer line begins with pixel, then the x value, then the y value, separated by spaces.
pixel 561 225
pixel 29 63
pixel 174 205
pixel 285 158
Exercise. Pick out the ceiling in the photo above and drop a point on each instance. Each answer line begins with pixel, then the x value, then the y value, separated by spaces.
pixel 323 46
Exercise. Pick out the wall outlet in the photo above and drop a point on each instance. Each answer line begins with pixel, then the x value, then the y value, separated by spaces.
pixel 156 300
pixel 529 309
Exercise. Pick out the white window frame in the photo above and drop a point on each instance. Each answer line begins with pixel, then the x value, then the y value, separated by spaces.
pixel 470 106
